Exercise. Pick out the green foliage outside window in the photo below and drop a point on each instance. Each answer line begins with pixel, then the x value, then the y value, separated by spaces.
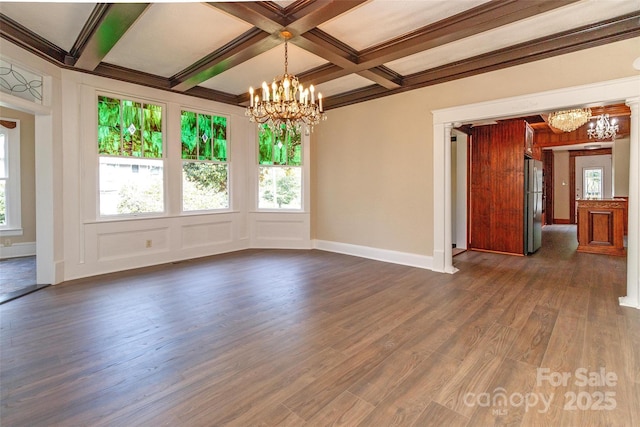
pixel 279 187
pixel 206 175
pixel 279 148
pixel 129 128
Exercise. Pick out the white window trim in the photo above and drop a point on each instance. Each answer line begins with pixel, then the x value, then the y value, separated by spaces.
pixel 99 217
pixel 13 227
pixel 304 184
pixel 227 163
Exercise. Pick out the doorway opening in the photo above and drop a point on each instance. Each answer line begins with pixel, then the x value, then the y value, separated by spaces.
pixel 624 90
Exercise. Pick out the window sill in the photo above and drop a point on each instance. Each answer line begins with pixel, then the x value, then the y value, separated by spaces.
pixel 279 211
pixel 141 218
pixel 11 232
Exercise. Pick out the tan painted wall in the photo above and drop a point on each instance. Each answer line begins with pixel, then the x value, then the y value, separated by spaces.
pixel 561 187
pixel 27 173
pixel 372 162
pixel 621 167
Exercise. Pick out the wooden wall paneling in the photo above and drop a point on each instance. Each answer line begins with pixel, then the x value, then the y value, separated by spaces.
pixel 497 187
pixel 509 210
pixel 480 187
pixel 545 138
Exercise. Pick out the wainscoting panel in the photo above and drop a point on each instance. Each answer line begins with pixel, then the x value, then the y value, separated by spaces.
pixel 124 244
pixel 121 245
pixel 18 250
pixel 206 234
pixel 278 230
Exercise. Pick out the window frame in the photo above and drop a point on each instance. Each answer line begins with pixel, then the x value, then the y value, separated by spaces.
pixel 585 180
pixel 228 163
pixel 13 198
pixel 164 159
pixel 303 166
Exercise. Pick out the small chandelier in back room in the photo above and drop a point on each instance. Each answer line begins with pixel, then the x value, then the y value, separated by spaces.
pixel 603 129
pixel 286 102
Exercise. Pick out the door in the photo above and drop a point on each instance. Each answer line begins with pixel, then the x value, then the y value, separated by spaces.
pixel 600 183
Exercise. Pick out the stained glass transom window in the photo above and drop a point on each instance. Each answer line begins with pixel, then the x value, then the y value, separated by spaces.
pixel 204 137
pixel 284 148
pixel 129 128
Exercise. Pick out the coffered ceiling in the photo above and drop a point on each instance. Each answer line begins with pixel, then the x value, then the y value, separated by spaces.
pixel 351 50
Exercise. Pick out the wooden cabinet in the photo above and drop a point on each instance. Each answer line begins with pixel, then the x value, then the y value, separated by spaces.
pixel 528 142
pixel 496 186
pixel 531 149
pixel 601 225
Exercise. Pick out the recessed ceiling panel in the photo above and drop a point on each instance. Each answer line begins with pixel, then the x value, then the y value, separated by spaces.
pixel 169 37
pixel 262 68
pixel 284 3
pixel 60 23
pixel 555 21
pixel 381 20
pixel 343 84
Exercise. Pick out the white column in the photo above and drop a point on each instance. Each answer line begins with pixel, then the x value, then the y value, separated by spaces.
pixel 438 197
pixel 45 193
pixel 633 239
pixel 442 243
pixel 448 220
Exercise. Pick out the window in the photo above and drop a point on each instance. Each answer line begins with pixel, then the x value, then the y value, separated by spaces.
pixel 205 168
pixel 280 169
pixel 592 183
pixel 130 148
pixel 10 201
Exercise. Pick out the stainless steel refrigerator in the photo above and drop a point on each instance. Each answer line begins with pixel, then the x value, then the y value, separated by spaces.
pixel 532 205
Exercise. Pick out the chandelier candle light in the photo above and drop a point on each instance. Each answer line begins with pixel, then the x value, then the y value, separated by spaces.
pixel 286 102
pixel 569 120
pixel 604 129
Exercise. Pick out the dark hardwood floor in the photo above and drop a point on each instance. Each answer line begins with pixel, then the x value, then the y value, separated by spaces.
pixel 308 338
pixel 17 277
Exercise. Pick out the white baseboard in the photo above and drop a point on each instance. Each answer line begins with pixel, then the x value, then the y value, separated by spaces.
pixel 628 302
pixel 395 257
pixel 18 250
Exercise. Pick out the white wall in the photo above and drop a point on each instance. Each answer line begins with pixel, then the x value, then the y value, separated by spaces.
pixel 621 167
pixel 561 187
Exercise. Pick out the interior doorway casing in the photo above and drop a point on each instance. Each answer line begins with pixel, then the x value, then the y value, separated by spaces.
pixel 45 192
pixel 613 91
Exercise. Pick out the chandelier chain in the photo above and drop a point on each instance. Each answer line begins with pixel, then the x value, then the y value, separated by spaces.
pixel 286 57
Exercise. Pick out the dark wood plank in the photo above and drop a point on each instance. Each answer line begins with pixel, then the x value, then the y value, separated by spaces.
pixel 477 370
pixel 407 401
pixel 513 379
pixel 346 410
pixel 534 336
pixel 438 415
